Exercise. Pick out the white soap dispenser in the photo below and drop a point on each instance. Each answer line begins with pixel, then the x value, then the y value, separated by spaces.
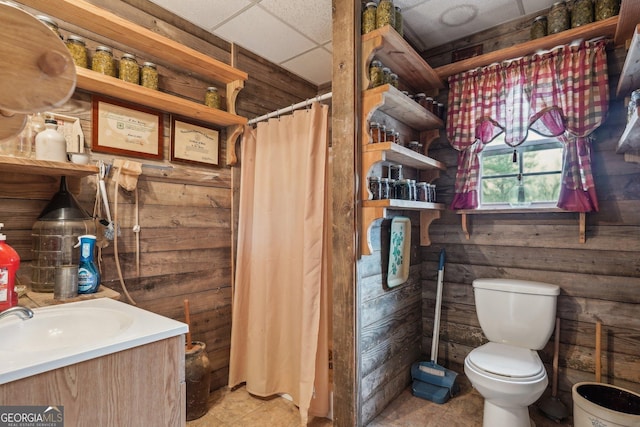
pixel 50 144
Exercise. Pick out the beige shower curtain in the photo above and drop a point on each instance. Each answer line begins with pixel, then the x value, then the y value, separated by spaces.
pixel 280 334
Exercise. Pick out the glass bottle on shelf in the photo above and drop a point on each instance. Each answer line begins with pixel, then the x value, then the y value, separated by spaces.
pixel 399 26
pixel 539 27
pixel 581 13
pixel 558 19
pixel 386 14
pixel 604 9
pixel 369 17
pixel 376 75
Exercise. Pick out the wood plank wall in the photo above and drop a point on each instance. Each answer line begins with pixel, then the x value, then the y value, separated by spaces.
pixel 600 279
pixel 185 212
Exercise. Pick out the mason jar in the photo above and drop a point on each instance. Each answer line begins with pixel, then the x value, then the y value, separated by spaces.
pixel 53 25
pixel 606 9
pixel 102 61
pixel 399 26
pixel 374 187
pixel 385 14
pixel 581 13
pixel 539 27
pixel 376 76
pixel 149 75
pixel 212 97
pixel 369 17
pixel 78 50
pixel 558 19
pixel 129 70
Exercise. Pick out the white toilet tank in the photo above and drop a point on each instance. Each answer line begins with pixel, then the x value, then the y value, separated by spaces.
pixel 516 312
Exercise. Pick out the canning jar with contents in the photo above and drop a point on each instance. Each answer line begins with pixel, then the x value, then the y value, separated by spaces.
pixel 539 27
pixel 78 50
pixel 399 24
pixel 558 19
pixel 386 75
pixel 375 73
pixel 149 75
pixel 129 70
pixel 374 132
pixel 385 190
pixel 369 17
pixel 212 97
pixel 386 14
pixel 606 9
pixel 102 61
pixel 581 13
pixel 393 80
pixel 374 187
pixel 53 25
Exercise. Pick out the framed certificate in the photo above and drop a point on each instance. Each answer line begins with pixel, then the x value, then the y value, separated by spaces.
pixel 126 129
pixel 194 143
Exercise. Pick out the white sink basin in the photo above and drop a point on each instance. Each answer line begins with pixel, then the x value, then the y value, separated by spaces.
pixel 60 328
pixel 66 334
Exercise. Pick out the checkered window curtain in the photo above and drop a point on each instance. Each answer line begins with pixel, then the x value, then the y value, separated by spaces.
pixel 562 93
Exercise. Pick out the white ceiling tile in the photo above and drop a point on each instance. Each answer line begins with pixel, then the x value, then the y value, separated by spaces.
pixel 261 33
pixel 205 14
pixel 311 18
pixel 314 66
pixel 427 20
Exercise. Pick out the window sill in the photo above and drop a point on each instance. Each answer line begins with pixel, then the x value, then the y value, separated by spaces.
pixel 505 209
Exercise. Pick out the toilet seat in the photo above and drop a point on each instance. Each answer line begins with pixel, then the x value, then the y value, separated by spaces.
pixel 506 362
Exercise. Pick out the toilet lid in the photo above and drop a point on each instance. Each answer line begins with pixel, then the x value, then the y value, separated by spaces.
pixel 506 360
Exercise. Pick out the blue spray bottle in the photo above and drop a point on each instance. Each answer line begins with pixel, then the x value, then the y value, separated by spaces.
pixel 88 275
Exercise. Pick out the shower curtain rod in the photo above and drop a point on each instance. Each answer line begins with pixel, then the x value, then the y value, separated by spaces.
pixel 291 108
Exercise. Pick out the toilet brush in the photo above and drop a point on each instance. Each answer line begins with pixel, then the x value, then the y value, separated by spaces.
pixel 552 407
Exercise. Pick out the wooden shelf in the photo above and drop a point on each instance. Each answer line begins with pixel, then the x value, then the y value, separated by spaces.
pixel 630 75
pixel 105 85
pixel 394 103
pixel 464 220
pixel 395 52
pixel 101 21
pixel 45 167
pixel 388 151
pixel 375 209
pixel 630 139
pixel 605 27
pixel 159 48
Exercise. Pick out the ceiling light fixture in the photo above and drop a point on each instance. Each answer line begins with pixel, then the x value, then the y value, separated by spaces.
pixel 459 15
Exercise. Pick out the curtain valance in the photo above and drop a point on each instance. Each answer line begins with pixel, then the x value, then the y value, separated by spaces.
pixel 563 93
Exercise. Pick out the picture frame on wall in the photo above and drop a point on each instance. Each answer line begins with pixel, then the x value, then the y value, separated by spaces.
pixel 194 142
pixel 126 129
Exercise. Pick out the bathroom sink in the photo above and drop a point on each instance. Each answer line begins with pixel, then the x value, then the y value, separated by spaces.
pixel 56 328
pixel 65 334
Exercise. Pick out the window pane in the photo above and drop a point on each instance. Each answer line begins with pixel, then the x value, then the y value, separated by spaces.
pixel 497 190
pixel 542 188
pixel 500 164
pixel 543 160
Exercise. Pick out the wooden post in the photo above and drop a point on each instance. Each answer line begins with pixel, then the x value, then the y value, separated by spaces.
pixel 346 148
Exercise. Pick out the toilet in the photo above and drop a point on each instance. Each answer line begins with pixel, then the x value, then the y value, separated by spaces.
pixel 517 317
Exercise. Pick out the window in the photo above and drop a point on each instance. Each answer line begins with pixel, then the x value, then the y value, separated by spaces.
pixel 524 176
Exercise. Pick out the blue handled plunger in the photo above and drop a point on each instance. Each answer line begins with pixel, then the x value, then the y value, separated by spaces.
pixel 430 380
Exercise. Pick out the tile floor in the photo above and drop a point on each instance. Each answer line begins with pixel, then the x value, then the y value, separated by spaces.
pixel 239 409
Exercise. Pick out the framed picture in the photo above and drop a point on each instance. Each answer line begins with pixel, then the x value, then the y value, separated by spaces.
pixel 194 143
pixel 126 129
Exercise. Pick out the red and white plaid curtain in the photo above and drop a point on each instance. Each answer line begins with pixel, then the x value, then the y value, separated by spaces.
pixel 563 93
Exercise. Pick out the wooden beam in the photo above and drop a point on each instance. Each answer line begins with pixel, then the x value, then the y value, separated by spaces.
pixel 346 109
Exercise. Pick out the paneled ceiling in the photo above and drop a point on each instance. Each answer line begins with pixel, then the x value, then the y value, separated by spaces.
pixel 296 34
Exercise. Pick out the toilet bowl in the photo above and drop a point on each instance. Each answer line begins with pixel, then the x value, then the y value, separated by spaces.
pixel 509 378
pixel 517 317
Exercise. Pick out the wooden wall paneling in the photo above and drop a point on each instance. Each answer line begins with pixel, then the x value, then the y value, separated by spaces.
pixel 600 279
pixel 185 211
pixel 345 141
